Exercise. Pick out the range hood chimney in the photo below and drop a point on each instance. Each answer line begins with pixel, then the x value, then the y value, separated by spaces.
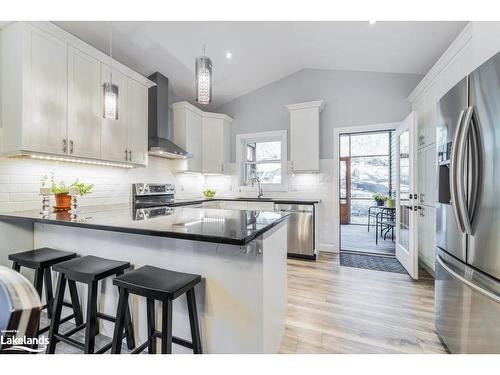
pixel 159 143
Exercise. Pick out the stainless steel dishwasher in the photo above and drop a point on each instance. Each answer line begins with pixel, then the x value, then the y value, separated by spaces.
pixel 300 229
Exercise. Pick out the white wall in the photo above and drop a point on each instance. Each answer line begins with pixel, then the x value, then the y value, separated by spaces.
pixel 351 98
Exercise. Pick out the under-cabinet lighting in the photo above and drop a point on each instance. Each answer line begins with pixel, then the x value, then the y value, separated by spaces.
pixel 372 22
pixel 80 161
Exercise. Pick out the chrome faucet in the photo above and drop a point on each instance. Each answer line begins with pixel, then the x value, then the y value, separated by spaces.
pixel 257 179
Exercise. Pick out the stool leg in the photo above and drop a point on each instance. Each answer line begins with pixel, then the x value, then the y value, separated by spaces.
pixel 166 327
pixel 129 328
pixel 56 316
pixel 193 322
pixel 90 328
pixel 150 305
pixel 77 310
pixel 48 291
pixel 16 267
pixel 120 321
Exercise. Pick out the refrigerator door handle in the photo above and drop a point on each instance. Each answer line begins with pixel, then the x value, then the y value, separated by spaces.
pixel 476 173
pixel 476 287
pixel 460 158
pixel 453 173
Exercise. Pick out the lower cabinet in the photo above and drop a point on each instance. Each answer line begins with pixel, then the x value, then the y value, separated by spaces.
pixel 427 235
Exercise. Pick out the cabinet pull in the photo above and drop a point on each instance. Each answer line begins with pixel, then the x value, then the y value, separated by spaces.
pixel 222 168
pixel 71 148
pixel 129 155
pixel 126 155
pixel 64 146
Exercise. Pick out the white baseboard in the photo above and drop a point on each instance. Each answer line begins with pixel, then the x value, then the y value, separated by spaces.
pixel 327 247
pixel 426 267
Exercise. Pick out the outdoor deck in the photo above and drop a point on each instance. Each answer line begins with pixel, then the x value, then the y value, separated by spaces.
pixel 357 238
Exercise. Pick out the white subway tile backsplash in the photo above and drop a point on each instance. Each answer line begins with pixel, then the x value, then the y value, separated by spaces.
pixel 21 197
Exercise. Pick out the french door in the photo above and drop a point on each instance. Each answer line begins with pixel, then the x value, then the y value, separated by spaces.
pixel 406 199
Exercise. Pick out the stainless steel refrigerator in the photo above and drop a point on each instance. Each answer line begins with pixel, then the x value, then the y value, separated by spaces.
pixel 468 213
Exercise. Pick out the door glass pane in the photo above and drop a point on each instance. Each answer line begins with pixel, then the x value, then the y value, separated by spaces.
pixel 369 176
pixel 269 173
pixel 404 189
pixel 359 210
pixel 343 179
pixel 344 146
pixel 370 144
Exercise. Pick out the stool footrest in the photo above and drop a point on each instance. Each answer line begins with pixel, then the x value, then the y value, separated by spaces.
pixel 63 320
pixel 107 317
pixel 176 340
pixel 140 348
pixel 69 341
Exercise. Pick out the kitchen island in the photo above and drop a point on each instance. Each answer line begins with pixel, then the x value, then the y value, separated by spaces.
pixel 240 254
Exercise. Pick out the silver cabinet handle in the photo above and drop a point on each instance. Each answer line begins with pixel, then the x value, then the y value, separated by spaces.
pixel 129 155
pixel 222 168
pixel 487 293
pixel 65 146
pixel 126 155
pixel 71 148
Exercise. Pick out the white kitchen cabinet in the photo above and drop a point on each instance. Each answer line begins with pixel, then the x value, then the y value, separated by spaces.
pixel 137 118
pixel 427 176
pixel 114 133
pixel 34 90
pixel 51 92
pixel 216 138
pixel 427 235
pixel 187 128
pixel 84 105
pixel 304 136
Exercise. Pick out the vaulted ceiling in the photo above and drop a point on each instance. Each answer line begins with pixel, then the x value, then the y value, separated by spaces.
pixel 263 52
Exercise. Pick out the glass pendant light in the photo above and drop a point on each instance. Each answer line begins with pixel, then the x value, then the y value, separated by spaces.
pixel 203 79
pixel 110 90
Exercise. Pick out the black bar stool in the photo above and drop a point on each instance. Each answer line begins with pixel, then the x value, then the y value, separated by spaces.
pixel 41 260
pixel 89 270
pixel 163 285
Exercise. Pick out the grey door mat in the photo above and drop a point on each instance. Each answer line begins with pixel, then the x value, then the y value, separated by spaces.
pixel 371 262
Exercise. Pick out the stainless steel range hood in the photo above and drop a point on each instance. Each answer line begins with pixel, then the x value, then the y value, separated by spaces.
pixel 159 143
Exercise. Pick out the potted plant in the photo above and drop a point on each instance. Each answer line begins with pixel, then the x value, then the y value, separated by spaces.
pixel 209 193
pixel 380 199
pixel 390 202
pixel 61 191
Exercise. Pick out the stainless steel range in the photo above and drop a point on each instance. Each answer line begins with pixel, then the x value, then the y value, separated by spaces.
pixel 152 200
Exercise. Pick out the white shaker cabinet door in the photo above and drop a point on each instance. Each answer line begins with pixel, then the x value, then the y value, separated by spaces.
pixel 84 105
pixel 45 85
pixel 114 133
pixel 194 140
pixel 213 145
pixel 137 122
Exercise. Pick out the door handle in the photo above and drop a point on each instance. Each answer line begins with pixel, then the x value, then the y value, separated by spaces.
pixel 448 269
pixel 453 172
pixel 460 160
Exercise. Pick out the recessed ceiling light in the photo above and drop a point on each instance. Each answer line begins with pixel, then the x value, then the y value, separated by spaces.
pixel 229 55
pixel 372 22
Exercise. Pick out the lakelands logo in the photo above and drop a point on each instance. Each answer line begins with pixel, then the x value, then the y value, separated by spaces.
pixel 10 342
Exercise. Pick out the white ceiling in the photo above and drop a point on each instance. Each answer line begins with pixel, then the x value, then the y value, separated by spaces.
pixel 264 52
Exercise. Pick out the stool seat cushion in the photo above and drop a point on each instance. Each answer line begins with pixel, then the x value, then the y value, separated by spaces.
pixel 90 268
pixel 41 258
pixel 158 283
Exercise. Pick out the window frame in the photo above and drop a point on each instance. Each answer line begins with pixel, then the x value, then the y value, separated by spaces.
pixel 241 149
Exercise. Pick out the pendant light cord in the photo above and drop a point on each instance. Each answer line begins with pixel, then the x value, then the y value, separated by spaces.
pixel 111 52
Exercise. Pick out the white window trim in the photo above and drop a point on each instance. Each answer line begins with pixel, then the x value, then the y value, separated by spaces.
pixel 262 137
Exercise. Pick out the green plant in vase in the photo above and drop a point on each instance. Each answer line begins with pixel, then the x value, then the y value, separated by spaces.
pixel 380 199
pixel 61 191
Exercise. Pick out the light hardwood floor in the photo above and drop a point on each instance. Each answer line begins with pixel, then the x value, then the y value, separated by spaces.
pixel 334 309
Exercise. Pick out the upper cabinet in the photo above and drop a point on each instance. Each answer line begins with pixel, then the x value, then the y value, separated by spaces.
pixel 187 134
pixel 304 136
pixel 51 92
pixel 216 136
pixel 205 135
pixel 84 105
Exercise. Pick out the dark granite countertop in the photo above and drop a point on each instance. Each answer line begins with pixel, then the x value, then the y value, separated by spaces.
pixel 235 227
pixel 187 201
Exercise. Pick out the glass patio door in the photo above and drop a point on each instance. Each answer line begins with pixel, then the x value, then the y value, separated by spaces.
pixel 406 203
